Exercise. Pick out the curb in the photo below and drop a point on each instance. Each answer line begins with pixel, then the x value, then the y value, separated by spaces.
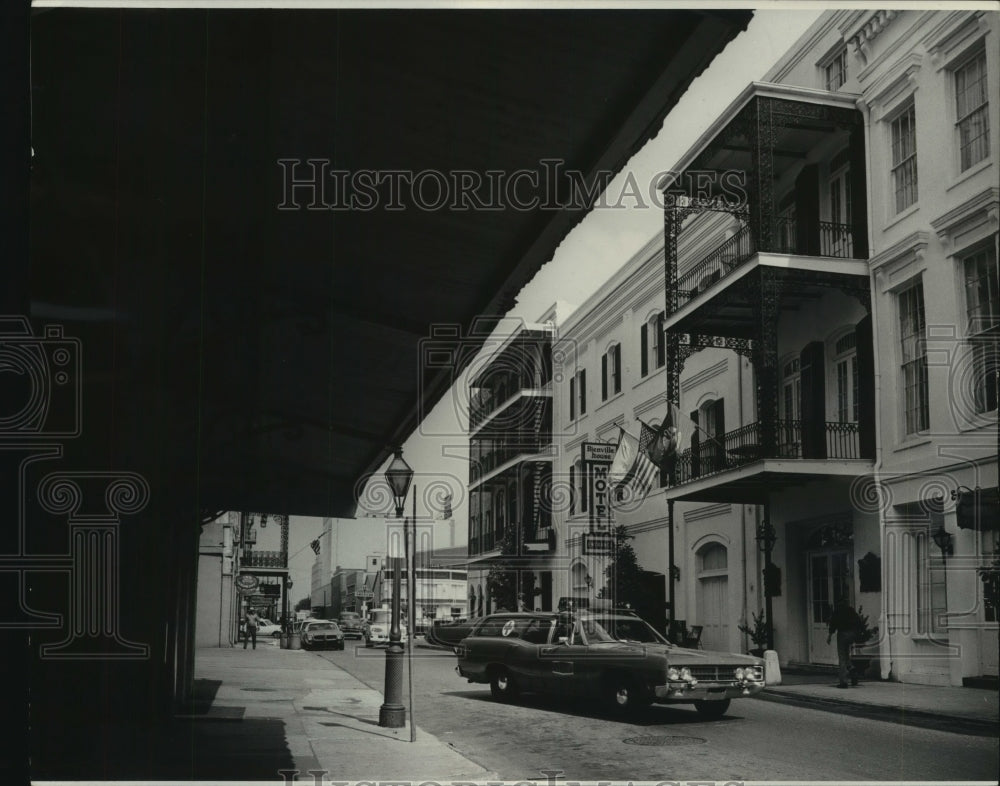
pixel 908 717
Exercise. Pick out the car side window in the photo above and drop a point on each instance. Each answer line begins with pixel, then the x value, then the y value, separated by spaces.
pixel 491 626
pixel 537 631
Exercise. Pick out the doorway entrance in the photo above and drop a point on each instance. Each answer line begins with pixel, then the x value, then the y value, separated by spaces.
pixel 829 578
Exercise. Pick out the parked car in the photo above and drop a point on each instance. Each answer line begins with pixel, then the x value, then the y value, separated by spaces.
pixel 376 630
pixel 617 657
pixel 322 633
pixel 449 633
pixel 267 628
pixel 352 624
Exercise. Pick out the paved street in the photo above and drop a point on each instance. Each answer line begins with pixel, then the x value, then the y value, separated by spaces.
pixel 757 740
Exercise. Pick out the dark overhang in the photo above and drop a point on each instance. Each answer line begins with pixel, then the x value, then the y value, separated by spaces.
pixel 259 358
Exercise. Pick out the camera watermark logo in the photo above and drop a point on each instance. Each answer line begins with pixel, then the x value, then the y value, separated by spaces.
pixel 42 377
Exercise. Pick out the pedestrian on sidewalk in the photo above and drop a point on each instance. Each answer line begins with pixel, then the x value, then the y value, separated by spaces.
pixel 846 623
pixel 251 624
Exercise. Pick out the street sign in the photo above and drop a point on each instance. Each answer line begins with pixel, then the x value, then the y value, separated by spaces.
pixel 364 594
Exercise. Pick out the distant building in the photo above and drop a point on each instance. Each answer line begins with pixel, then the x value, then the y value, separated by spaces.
pixel 343 546
pixel 441 581
pixel 510 466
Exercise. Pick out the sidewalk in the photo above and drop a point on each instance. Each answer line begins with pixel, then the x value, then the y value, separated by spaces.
pixel 327 718
pixel 965 710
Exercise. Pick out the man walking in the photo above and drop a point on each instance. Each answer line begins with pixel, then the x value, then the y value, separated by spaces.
pixel 846 623
pixel 251 629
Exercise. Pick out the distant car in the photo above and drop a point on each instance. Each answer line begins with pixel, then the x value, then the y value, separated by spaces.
pixel 351 623
pixel 322 633
pixel 267 628
pixel 618 658
pixel 376 631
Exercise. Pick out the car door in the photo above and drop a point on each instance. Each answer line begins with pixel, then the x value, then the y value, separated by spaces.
pixel 563 662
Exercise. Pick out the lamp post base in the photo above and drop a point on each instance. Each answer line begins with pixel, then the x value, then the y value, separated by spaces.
pixel 390 717
pixel 392 713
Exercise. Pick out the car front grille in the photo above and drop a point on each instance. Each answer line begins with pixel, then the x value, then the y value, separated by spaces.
pixel 713 673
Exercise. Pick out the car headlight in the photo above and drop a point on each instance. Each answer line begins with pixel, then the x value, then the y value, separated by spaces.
pixel 673 673
pixel 739 673
pixel 686 673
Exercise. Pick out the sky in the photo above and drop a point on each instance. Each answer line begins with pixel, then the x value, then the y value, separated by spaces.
pixel 595 249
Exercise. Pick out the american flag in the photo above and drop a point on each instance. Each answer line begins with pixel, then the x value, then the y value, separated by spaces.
pixel 642 472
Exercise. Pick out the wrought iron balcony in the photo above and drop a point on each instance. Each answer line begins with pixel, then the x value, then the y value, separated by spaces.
pixel 746 445
pixel 265 559
pixel 483 464
pixel 823 239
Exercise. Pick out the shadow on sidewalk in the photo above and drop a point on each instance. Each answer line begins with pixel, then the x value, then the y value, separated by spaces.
pixel 252 749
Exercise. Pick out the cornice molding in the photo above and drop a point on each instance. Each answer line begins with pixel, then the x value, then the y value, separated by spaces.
pixel 957 32
pixel 706 374
pixel 865 29
pixel 897 84
pixel 708 511
pixel 901 261
pixel 970 221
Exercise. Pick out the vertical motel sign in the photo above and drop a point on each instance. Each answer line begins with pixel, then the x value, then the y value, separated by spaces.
pixel 597 458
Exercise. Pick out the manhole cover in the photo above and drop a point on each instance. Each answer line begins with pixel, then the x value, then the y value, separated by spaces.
pixel 662 741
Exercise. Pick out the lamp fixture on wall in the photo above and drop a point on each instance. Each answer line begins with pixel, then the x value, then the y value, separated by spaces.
pixel 943 540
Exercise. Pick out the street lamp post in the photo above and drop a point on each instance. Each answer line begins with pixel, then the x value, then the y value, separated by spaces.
pixel 766 538
pixel 392 713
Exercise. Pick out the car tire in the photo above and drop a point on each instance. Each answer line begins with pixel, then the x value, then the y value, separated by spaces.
pixel 712 709
pixel 276 634
pixel 623 695
pixel 503 686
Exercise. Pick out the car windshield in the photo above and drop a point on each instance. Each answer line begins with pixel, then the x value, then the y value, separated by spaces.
pixel 600 629
pixel 322 626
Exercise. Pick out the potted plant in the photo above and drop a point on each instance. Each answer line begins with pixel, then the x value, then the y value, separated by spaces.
pixel 860 659
pixel 758 633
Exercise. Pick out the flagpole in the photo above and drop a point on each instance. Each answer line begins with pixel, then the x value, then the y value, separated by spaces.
pixel 670 558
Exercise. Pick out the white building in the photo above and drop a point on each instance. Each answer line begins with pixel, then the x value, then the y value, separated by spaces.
pixel 829 335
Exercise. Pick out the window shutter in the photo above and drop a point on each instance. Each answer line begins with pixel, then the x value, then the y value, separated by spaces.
pixel 617 349
pixel 644 349
pixel 661 356
pixel 812 408
pixel 572 490
pixel 695 446
pixel 866 387
pixel 583 391
pixel 719 413
pixel 604 377
pixel 572 398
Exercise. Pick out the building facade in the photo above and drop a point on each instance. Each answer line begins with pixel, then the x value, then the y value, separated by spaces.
pixel 858 275
pixel 510 469
pixel 822 310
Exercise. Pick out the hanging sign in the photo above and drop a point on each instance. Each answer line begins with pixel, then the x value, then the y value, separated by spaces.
pixel 597 458
pixel 247 582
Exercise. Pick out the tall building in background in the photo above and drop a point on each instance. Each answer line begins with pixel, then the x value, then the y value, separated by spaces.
pixel 510 470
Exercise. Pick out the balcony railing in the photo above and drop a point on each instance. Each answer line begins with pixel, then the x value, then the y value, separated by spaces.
pixel 485 402
pixel 745 446
pixel 826 239
pixel 487 462
pixel 720 262
pixel 265 559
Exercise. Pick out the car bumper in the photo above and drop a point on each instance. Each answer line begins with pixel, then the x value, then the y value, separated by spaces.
pixel 705 691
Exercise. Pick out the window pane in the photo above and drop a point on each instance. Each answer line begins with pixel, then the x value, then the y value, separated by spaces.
pixel 914 366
